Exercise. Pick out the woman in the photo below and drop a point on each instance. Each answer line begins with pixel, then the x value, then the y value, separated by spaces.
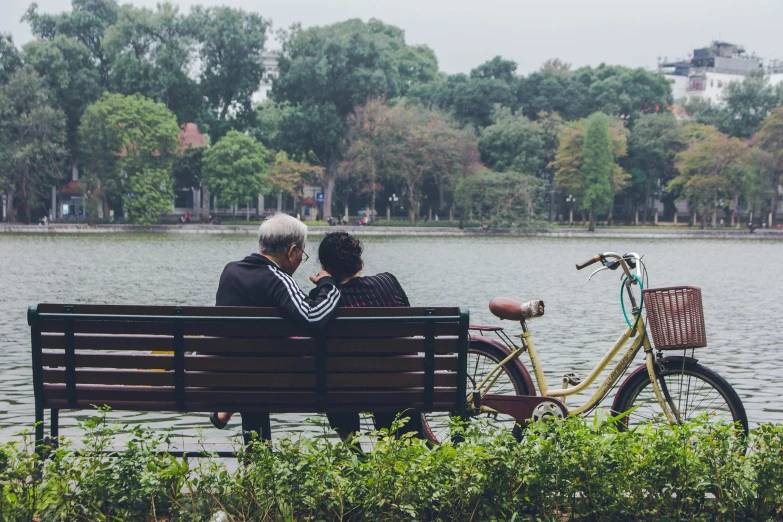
pixel 340 254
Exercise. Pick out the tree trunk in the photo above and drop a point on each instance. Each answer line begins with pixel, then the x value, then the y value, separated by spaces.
pixel 331 175
pixel 11 217
pixel 750 218
pixel 647 190
pixel 591 228
pixel 773 209
pixel 656 216
pixel 636 218
pixel 609 217
pixel 346 211
pixel 372 187
pixel 74 171
pixel 552 197
pixel 451 212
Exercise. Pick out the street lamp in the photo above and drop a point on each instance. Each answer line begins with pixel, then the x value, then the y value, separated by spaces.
pixel 571 200
pixel 392 200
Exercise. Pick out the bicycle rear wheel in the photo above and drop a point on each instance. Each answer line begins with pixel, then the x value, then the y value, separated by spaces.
pixel 694 390
pixel 482 358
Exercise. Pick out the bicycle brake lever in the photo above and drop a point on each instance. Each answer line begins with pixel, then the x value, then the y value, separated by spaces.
pixel 602 268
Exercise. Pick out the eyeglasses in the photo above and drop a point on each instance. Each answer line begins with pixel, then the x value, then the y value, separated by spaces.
pixel 305 257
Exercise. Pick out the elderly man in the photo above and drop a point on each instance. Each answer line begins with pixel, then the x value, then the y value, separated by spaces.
pixel 264 279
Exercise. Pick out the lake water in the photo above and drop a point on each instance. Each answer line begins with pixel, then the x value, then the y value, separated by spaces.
pixel 741 281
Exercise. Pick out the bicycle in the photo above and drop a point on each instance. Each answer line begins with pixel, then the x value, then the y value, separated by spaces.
pixel 665 389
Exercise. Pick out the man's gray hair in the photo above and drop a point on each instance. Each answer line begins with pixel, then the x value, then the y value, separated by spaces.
pixel 279 232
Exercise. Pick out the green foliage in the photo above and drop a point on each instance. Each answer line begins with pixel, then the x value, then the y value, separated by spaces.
pixel 513 142
pixel 499 199
pixel 230 45
pixel 32 132
pixel 235 169
pixel 576 469
pixel 711 168
pixel 70 74
pixel 597 164
pixel 129 143
pixel 10 60
pixel 187 169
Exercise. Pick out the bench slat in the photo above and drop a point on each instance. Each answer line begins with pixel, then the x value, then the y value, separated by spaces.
pixel 288 346
pixel 410 363
pixel 230 328
pixel 231 311
pixel 248 380
pixel 272 401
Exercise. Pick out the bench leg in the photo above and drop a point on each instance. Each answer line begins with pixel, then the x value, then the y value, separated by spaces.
pixel 54 423
pixel 256 422
pixel 39 429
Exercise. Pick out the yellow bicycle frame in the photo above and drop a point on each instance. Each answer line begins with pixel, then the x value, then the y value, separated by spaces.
pixel 641 341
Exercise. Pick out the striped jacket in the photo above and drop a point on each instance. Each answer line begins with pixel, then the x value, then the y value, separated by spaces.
pixel 258 281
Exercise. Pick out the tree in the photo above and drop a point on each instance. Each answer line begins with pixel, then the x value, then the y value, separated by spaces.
pixel 364 132
pixel 291 176
pixel 230 45
pixel 10 60
pixel 499 199
pixel 770 138
pixel 553 89
pixel 235 169
pixel 747 104
pixel 130 143
pixel 151 53
pixel 597 165
pixel 568 165
pixel 472 99
pixel 654 142
pixel 711 168
pixel 87 22
pixel 186 172
pixel 32 133
pixel 512 142
pixel 327 71
pixel 67 68
pixel 622 92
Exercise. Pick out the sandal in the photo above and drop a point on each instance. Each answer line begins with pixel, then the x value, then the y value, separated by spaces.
pixel 216 421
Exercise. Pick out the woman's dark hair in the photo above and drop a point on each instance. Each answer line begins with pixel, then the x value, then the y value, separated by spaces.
pixel 341 255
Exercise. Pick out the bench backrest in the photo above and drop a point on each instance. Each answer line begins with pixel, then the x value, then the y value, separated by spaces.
pixel 200 359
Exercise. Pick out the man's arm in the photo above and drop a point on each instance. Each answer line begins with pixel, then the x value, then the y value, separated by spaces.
pixel 313 311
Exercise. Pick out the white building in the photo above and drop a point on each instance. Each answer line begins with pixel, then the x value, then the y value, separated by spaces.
pixel 271 71
pixel 707 72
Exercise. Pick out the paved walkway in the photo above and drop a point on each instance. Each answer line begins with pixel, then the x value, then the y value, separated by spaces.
pixel 578 232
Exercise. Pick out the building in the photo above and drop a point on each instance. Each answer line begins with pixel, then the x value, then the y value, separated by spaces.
pixel 707 71
pixel 271 71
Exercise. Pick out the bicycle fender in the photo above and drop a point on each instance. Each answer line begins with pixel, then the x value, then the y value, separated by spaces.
pixel 500 346
pixel 643 368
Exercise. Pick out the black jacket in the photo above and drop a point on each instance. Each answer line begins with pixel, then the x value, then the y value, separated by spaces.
pixel 258 281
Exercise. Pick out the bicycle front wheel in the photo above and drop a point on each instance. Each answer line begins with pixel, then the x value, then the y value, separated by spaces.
pixel 482 358
pixel 693 389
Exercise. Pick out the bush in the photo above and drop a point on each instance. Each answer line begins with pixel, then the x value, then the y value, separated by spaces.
pixel 576 469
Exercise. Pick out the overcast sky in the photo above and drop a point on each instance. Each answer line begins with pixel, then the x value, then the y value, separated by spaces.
pixel 464 33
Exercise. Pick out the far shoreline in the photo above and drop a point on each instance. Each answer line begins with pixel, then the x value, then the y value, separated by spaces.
pixel 651 232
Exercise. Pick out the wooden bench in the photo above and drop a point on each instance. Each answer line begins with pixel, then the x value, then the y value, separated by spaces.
pixel 245 360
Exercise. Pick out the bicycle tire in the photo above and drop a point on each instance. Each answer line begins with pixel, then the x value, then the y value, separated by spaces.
pixel 481 357
pixel 689 384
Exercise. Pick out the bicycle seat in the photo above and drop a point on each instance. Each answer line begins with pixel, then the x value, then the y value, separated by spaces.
pixel 513 310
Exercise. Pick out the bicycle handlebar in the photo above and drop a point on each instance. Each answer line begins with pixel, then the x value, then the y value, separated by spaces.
pixel 589 262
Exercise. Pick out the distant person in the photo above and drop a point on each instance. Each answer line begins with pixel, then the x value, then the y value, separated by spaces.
pixel 340 254
pixel 187 218
pixel 265 279
pixel 345 219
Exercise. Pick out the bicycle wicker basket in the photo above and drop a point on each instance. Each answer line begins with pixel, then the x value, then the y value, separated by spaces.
pixel 675 317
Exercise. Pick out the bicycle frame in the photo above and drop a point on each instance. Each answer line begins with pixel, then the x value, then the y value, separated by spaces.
pixel 641 341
